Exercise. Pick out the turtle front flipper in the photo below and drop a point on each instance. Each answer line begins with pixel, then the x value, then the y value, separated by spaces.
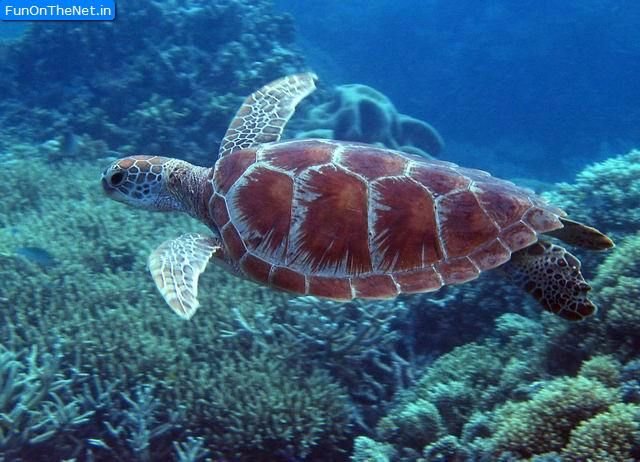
pixel 552 275
pixel 263 115
pixel 176 266
pixel 581 235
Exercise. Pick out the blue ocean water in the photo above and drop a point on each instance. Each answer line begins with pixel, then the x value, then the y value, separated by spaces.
pixel 538 88
pixel 114 346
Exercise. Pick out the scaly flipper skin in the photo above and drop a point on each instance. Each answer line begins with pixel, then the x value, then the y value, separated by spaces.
pixel 552 275
pixel 263 115
pixel 581 235
pixel 176 266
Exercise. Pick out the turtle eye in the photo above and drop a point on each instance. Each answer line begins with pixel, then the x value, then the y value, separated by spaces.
pixel 117 178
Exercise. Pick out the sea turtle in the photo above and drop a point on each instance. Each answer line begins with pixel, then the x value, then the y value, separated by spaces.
pixel 346 220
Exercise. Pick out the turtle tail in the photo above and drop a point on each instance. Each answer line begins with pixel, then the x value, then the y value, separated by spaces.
pixel 552 275
pixel 580 235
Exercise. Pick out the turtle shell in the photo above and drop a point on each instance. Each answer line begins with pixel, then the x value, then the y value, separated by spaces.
pixel 345 220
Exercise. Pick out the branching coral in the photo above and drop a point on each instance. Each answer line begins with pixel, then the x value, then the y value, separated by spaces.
pixel 355 341
pixel 414 425
pixel 617 285
pixel 544 423
pixel 172 89
pixel 99 305
pixel 36 402
pixel 260 405
pixel 605 195
pixel 611 435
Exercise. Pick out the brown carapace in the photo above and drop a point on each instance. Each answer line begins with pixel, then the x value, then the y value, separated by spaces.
pixel 346 220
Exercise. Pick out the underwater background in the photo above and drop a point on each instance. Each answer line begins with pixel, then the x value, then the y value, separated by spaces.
pixel 95 367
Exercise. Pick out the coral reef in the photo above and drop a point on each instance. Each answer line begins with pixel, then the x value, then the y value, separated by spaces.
pixel 494 401
pixel 172 89
pixel 261 405
pixel 606 195
pixel 36 402
pixel 261 377
pixel 610 435
pixel 544 423
pixel 617 284
pixel 360 113
pixel 415 425
pixel 98 308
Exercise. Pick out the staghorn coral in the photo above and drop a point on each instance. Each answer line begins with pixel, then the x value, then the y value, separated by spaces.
pixel 360 113
pixel 357 342
pixel 99 305
pixel 37 405
pixel 260 405
pixel 172 89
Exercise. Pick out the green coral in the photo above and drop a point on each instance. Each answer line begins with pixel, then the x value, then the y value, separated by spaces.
pixel 99 305
pixel 617 285
pixel 413 425
pixel 544 423
pixel 603 368
pixel 611 435
pixel 368 450
pixel 37 405
pixel 605 195
pixel 260 404
pixel 437 414
pixel 206 56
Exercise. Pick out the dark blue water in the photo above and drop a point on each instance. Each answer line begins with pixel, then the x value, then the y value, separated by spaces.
pixel 518 83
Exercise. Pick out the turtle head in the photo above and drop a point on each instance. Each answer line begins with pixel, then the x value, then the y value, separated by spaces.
pixel 144 182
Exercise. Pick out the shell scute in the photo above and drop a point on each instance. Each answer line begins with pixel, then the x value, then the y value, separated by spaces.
pixel 290 159
pixel 375 286
pixel 457 270
pixel 335 288
pixel 491 255
pixel 233 242
pixel 319 242
pixel 504 207
pixel 405 231
pixel 438 179
pixel 464 226
pixel 229 168
pixel 260 208
pixel 542 220
pixel 287 279
pixel 218 210
pixel 256 268
pixel 423 280
pixel 518 236
pixel 372 163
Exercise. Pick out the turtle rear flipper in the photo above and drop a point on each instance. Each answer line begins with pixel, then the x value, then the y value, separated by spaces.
pixel 581 235
pixel 176 266
pixel 552 275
